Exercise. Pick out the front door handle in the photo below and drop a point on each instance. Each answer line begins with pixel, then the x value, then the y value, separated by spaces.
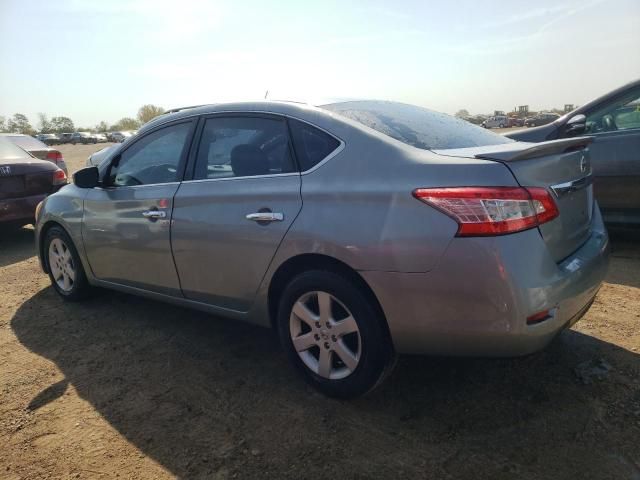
pixel 153 214
pixel 265 217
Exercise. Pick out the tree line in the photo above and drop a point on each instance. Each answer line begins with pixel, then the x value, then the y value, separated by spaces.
pixel 19 123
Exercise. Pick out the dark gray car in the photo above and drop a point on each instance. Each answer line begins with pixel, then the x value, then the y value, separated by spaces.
pixel 357 230
pixel 613 121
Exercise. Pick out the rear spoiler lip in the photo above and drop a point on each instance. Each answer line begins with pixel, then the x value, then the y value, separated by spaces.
pixel 503 153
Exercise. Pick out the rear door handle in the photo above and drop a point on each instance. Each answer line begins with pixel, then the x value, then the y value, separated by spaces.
pixel 265 217
pixel 153 214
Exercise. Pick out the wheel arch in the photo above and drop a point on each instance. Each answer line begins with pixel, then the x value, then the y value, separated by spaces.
pixel 48 225
pixel 315 261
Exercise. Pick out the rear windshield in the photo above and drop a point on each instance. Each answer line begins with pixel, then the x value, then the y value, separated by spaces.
pixel 417 126
pixel 9 151
pixel 26 142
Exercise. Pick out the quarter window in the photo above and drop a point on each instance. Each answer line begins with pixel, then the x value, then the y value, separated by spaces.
pixel 243 147
pixel 311 145
pixel 155 158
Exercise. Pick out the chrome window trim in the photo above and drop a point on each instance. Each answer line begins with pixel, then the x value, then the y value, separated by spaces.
pixel 200 180
pixel 120 187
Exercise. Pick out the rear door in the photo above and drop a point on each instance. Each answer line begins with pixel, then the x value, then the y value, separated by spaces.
pixel 230 218
pixel 126 226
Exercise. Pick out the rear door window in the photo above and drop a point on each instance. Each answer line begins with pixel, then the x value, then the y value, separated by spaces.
pixel 311 145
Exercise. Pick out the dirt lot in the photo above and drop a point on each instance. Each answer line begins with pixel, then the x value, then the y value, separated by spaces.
pixel 125 387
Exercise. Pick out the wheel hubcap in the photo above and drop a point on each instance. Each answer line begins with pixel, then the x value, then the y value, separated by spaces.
pixel 61 265
pixel 325 335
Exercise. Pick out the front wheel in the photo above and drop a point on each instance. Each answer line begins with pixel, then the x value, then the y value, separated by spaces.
pixel 333 334
pixel 65 268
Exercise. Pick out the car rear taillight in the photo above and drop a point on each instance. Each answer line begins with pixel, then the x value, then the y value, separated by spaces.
pixel 55 156
pixel 483 211
pixel 59 177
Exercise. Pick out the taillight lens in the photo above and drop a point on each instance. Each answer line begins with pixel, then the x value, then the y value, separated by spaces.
pixel 55 156
pixel 483 211
pixel 59 177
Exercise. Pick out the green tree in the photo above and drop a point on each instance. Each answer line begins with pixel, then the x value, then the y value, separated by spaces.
pixel 149 112
pixel 462 113
pixel 19 123
pixel 62 125
pixel 102 127
pixel 43 123
pixel 126 123
pixel 3 124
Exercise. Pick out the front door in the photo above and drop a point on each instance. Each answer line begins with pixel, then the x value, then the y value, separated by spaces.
pixel 126 226
pixel 230 219
pixel 615 155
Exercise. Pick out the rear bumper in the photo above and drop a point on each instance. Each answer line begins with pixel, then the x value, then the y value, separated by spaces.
pixel 476 301
pixel 19 209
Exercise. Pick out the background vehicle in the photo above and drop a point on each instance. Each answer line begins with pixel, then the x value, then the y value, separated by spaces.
pixel 354 245
pixel 541 119
pixel 100 138
pixel 613 121
pixel 24 182
pixel 83 137
pixel 120 137
pixel 65 137
pixel 496 121
pixel 515 122
pixel 37 149
pixel 49 139
pixel 98 157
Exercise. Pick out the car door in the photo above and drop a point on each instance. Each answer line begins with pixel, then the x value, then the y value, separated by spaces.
pixel 230 218
pixel 615 156
pixel 126 225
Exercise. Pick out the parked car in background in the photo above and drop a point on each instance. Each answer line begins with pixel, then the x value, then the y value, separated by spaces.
pixel 65 137
pixel 613 120
pixel 515 122
pixel 100 137
pixel 24 182
pixel 83 137
pixel 357 230
pixel 98 157
pixel 120 137
pixel 496 121
pixel 49 139
pixel 38 149
pixel 541 119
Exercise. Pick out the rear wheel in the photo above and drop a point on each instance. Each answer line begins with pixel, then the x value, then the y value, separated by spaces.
pixel 64 265
pixel 333 334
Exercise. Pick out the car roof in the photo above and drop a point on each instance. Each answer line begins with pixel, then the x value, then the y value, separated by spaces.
pixel 282 107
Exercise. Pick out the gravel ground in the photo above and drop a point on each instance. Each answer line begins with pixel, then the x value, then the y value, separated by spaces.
pixel 125 387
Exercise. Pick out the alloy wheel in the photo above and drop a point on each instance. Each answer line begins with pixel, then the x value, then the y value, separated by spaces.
pixel 61 265
pixel 325 335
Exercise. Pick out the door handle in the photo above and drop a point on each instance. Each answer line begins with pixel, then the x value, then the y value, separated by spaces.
pixel 265 217
pixel 153 214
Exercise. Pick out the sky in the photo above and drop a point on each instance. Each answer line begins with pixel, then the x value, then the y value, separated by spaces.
pixel 102 60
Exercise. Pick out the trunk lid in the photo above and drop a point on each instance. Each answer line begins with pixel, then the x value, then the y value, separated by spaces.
pixel 22 178
pixel 562 167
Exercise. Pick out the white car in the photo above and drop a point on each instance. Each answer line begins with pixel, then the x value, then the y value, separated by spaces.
pixel 497 121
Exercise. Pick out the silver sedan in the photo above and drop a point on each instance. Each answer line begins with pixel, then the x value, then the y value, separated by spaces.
pixel 357 230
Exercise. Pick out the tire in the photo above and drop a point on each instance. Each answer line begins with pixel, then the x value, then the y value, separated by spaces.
pixel 367 352
pixel 501 125
pixel 67 276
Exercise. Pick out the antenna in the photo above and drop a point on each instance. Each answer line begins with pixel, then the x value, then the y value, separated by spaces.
pixel 266 94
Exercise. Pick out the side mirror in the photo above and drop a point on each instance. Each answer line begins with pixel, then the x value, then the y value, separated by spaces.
pixel 576 125
pixel 86 177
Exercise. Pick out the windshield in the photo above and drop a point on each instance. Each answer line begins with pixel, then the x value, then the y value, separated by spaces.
pixel 417 126
pixel 27 142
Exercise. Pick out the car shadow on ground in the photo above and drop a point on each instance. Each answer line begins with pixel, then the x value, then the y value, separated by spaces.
pixel 16 244
pixel 203 395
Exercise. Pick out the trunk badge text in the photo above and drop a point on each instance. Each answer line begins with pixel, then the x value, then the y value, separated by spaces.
pixel 5 171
